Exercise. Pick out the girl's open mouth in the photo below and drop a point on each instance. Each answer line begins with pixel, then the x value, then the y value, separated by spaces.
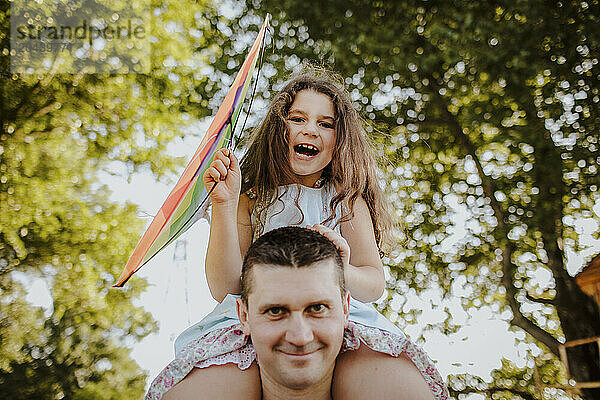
pixel 306 150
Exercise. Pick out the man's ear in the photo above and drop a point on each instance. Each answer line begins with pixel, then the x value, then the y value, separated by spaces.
pixel 242 310
pixel 346 305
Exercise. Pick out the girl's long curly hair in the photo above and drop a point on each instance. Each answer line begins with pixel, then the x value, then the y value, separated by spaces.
pixel 265 166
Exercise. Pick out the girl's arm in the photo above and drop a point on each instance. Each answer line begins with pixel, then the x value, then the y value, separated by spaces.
pixel 224 254
pixel 363 268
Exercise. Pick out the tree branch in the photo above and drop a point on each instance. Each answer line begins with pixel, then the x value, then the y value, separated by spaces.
pixel 518 318
pixel 489 188
pixel 49 107
pixel 549 302
pixel 492 390
pixel 26 100
pixel 432 121
pixel 46 109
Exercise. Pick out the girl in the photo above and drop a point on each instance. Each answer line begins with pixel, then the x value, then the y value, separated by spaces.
pixel 309 163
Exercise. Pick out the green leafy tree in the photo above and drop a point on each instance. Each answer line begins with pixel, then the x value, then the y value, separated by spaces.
pixel 488 107
pixel 58 133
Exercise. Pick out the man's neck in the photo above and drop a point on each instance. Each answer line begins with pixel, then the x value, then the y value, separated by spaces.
pixel 318 391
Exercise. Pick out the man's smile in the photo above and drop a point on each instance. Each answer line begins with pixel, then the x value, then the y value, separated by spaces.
pixel 299 354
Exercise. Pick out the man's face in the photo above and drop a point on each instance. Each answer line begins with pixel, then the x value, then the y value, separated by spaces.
pixel 296 319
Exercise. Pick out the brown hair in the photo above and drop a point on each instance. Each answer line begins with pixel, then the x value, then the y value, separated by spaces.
pixel 265 165
pixel 291 247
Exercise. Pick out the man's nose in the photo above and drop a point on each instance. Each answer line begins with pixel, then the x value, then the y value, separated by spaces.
pixel 299 331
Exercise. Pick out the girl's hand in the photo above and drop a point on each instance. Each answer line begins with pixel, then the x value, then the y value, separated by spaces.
pixel 224 170
pixel 340 243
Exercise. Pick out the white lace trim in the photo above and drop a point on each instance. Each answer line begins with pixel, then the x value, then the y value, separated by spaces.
pixel 229 345
pixel 242 357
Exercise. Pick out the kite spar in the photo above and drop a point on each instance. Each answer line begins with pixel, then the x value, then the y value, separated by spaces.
pixel 186 202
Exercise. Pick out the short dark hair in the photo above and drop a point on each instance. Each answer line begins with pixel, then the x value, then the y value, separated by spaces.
pixel 290 246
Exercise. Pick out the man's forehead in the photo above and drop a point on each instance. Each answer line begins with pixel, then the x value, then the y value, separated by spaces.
pixel 280 284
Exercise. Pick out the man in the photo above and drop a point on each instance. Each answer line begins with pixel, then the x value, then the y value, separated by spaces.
pixel 295 307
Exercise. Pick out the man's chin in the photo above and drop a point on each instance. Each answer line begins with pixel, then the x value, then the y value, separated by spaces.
pixel 302 373
pixel 299 380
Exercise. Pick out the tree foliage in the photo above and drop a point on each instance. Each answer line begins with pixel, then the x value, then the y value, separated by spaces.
pixel 59 133
pixel 490 108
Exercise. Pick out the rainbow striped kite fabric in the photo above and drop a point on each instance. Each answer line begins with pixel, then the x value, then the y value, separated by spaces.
pixel 184 205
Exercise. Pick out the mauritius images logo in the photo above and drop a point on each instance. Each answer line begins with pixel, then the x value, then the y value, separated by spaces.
pixel 86 36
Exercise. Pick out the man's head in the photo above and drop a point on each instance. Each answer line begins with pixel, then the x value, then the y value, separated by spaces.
pixel 294 306
pixel 292 247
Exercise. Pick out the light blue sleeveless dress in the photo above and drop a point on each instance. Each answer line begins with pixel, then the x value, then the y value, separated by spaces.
pixel 217 339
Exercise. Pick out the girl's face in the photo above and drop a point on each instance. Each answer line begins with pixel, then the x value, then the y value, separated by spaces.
pixel 311 128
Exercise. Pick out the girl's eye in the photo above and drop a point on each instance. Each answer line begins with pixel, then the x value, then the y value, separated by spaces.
pixel 327 125
pixel 295 119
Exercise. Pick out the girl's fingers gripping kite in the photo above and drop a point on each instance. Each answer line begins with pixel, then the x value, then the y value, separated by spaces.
pixel 219 166
pixel 224 172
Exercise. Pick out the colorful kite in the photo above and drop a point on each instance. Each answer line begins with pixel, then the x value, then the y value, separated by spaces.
pixel 186 202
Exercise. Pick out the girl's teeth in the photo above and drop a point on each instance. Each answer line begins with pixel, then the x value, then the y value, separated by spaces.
pixel 306 150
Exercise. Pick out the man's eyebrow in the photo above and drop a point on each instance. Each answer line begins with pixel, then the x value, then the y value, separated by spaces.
pixel 326 302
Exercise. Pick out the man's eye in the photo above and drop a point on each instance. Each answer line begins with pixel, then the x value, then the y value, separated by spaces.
pixel 317 308
pixel 274 311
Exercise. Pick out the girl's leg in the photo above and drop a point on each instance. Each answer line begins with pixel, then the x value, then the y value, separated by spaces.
pixel 226 382
pixel 367 374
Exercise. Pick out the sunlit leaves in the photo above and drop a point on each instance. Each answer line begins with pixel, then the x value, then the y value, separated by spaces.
pixel 58 132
